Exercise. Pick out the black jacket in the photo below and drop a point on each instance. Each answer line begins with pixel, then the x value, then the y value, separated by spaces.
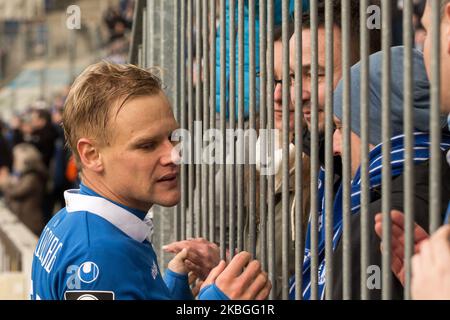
pixel 421 208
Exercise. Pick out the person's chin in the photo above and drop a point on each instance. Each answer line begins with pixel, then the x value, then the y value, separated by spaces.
pixel 169 199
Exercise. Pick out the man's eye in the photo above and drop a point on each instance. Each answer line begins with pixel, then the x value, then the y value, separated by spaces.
pixel 147 146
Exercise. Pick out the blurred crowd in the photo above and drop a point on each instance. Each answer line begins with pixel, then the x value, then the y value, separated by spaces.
pixel 35 166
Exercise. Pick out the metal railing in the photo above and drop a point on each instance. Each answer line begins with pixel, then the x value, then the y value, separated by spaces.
pixel 218 199
pixel 17 244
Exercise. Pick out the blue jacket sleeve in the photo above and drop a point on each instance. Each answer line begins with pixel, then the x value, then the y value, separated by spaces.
pixel 212 292
pixel 178 285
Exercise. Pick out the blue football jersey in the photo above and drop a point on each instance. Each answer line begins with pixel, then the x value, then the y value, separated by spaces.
pixel 95 249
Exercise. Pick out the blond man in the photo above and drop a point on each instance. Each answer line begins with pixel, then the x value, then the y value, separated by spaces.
pixel 118 123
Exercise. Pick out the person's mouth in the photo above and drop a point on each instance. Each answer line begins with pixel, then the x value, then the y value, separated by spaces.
pixel 169 179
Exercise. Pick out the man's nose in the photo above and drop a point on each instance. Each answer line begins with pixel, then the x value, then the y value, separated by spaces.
pixel 278 93
pixel 171 154
pixel 306 95
pixel 337 143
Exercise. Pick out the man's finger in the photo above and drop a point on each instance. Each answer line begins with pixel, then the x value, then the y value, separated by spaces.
pixel 237 265
pixel 250 273
pixel 215 273
pixel 257 285
pixel 264 293
pixel 199 272
pixel 174 247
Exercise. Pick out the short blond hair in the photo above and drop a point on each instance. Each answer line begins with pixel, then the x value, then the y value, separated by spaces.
pixel 95 93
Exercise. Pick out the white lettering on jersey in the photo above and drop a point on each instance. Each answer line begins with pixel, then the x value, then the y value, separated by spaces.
pixel 48 249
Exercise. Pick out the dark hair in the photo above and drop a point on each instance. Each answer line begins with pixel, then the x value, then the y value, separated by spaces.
pixel 43 114
pixel 278 31
pixel 375 35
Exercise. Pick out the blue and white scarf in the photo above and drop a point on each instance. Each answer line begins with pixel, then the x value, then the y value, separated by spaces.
pixel 421 154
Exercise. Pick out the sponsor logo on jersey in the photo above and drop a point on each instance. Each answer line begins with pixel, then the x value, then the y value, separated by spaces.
pixel 88 272
pixel 89 295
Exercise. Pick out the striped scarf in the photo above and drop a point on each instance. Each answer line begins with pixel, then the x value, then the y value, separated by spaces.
pixel 421 154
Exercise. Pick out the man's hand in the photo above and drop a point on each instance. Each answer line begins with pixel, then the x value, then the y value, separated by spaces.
pixel 431 268
pixel 202 255
pixel 178 263
pixel 242 279
pixel 398 241
pixel 195 284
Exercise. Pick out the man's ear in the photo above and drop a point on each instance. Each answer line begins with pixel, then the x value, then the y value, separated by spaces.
pixel 89 155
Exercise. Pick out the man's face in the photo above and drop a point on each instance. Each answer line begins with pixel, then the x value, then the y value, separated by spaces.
pixel 307 72
pixel 138 163
pixel 355 142
pixel 278 90
pixel 445 52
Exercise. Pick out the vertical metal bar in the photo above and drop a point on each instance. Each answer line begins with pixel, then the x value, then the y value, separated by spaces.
pixel 285 159
pixel 191 118
pixel 386 133
pixel 435 165
pixel 145 40
pixel 409 136
pixel 140 57
pixel 329 128
pixel 365 195
pixel 149 21
pixel 162 35
pixel 136 32
pixel 263 123
pixel 240 147
pixel 182 62
pixel 223 80
pixel 271 147
pixel 252 126
pixel 346 159
pixel 299 241
pixel 314 150
pixel 176 90
pixel 206 110
pixel 198 117
pixel 232 119
pixel 212 120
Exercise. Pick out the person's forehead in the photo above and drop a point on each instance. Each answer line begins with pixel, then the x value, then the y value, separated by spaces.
pixel 147 113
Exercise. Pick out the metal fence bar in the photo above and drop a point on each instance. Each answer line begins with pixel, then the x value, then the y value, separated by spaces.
pixel 435 128
pixel 198 117
pixel 183 117
pixel 223 80
pixel 270 125
pixel 136 32
pixel 232 119
pixel 285 223
pixel 346 159
pixel 240 151
pixel 212 120
pixel 314 151
pixel 191 117
pixel 149 22
pixel 252 126
pixel 299 241
pixel 176 101
pixel 145 39
pixel 365 123
pixel 263 124
pixel 409 136
pixel 386 134
pixel 329 129
pixel 206 111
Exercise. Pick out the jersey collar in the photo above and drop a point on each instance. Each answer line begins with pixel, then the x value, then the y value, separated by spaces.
pixel 121 218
